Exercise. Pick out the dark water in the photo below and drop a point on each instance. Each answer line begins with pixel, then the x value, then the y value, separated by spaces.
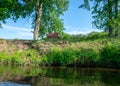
pixel 42 76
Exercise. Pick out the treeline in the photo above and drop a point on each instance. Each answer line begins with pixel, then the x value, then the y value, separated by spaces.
pixel 84 37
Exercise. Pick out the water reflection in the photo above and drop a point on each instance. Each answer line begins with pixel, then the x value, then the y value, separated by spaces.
pixel 11 84
pixel 42 76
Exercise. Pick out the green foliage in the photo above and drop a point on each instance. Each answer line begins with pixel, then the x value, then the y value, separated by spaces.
pixel 51 21
pixel 73 38
pixel 55 57
pixel 104 14
pixel 97 35
pixel 4 58
pixel 115 24
pixel 72 57
pixel 81 37
pixel 88 55
pixel 26 57
pixel 16 58
pixel 86 5
pixel 65 36
pixel 110 56
pixel 50 10
pixel 9 9
pixel 102 53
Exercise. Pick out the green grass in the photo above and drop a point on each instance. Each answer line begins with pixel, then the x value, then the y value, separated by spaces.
pixel 26 57
pixel 93 50
pixel 101 52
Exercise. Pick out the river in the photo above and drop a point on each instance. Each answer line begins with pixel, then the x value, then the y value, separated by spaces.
pixel 57 76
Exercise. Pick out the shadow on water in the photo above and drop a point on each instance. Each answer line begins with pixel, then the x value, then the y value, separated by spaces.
pixel 52 76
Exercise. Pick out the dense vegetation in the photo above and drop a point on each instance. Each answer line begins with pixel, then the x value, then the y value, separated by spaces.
pixel 92 50
pixel 95 49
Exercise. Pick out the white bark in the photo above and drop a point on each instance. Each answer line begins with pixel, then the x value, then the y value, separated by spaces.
pixel 38 19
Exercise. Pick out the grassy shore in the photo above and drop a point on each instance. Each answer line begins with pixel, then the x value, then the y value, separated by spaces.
pixel 101 52
pixel 92 53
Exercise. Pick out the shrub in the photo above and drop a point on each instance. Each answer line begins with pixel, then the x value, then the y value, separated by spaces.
pixel 96 35
pixel 78 37
pixel 110 56
pixel 66 36
pixel 4 58
pixel 55 57
pixel 86 57
pixel 72 57
pixel 59 57
pixel 25 57
pixel 31 56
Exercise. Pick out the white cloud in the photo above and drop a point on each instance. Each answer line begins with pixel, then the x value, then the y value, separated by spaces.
pixel 17 32
pixel 25 34
pixel 75 30
pixel 16 28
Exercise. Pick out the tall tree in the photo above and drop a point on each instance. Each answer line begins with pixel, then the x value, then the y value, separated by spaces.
pixel 116 20
pixel 51 16
pixel 105 14
pixel 46 15
pixel 38 13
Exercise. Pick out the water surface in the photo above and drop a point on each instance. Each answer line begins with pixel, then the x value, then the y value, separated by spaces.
pixel 55 76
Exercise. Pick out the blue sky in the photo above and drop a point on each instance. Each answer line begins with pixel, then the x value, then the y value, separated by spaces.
pixel 76 21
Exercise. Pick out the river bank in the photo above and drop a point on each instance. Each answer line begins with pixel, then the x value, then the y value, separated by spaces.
pixel 56 52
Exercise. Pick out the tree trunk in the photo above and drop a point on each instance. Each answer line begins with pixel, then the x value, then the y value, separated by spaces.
pixel 110 17
pixel 116 8
pixel 116 16
pixel 37 19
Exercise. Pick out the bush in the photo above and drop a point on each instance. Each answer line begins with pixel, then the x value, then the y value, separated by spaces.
pixel 96 35
pixel 4 58
pixel 78 37
pixel 66 36
pixel 55 57
pixel 16 58
pixel 87 57
pixel 28 57
pixel 72 57
pixel 110 56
